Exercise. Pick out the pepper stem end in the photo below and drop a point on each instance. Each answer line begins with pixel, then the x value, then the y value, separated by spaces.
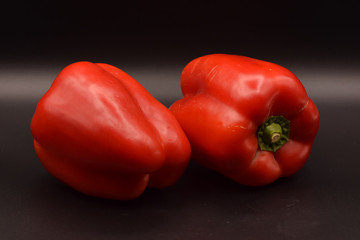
pixel 274 133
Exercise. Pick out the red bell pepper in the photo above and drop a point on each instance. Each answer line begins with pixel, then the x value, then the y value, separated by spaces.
pixel 248 119
pixel 99 131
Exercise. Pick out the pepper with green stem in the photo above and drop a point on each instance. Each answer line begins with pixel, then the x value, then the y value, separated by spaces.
pixel 248 119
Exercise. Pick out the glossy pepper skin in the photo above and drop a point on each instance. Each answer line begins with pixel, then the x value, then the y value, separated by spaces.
pixel 100 132
pixel 227 99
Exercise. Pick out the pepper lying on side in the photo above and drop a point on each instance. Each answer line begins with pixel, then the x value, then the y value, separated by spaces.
pixel 99 131
pixel 247 119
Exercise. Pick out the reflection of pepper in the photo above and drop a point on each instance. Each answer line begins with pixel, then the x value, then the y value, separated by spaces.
pixel 248 119
pixel 102 133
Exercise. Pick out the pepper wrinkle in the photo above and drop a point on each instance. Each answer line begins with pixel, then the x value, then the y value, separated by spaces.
pixel 212 73
pixel 303 108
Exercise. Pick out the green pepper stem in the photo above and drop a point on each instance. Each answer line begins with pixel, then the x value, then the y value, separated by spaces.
pixel 274 133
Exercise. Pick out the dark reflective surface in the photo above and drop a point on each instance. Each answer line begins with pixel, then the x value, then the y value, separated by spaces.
pixel 319 202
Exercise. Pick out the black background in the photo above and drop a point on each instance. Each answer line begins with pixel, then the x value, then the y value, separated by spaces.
pixel 177 31
pixel 153 41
